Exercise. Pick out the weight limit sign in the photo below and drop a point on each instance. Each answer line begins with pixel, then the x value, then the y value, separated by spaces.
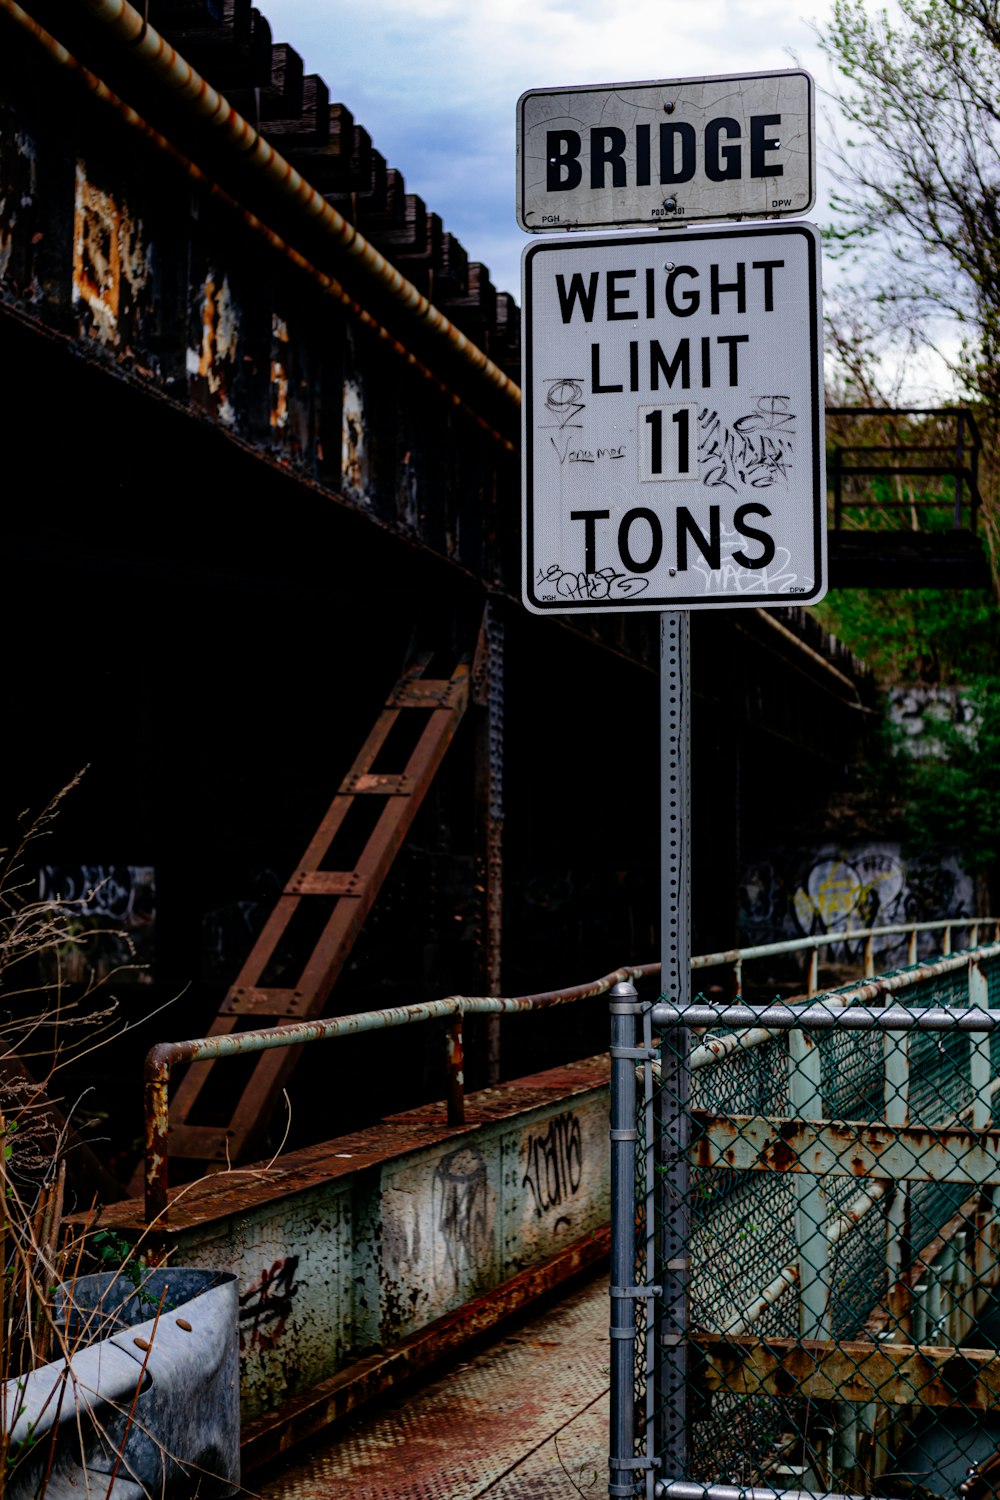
pixel 673 421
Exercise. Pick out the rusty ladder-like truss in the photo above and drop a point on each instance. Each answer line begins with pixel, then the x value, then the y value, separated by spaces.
pixel 355 890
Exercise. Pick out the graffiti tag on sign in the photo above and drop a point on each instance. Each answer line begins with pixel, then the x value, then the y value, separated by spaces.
pixel 555 1163
pixel 265 1306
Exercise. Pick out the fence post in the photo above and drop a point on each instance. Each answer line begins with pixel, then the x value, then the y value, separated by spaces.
pixel 911 948
pixel 979 1056
pixel 980 1252
pixel 896 1064
pixel 812 983
pixel 624 1136
pixel 805 1099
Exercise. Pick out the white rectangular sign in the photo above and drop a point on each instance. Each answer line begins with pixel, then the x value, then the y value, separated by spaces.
pixel 671 152
pixel 672 420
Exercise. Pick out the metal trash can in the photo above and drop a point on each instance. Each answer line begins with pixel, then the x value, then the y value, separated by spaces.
pixel 159 1411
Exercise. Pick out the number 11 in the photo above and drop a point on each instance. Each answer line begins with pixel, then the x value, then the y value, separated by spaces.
pixel 666 454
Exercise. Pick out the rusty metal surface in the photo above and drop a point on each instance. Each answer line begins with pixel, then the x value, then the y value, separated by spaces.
pixel 211 358
pixel 846 1149
pixel 195 96
pixel 364 1380
pixel 525 1419
pixel 218 1195
pixel 849 1371
pixel 353 891
pixel 225 1043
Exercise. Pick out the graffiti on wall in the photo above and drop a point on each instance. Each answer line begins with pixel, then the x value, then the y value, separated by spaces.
pixel 554 1168
pixel 803 892
pixel 461 1215
pixel 266 1304
pixel 917 712
pixel 111 911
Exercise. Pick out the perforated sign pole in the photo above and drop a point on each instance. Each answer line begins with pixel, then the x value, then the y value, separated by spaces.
pixel 675 983
pixel 673 459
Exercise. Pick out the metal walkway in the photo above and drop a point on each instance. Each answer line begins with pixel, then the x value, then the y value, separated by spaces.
pixel 527 1419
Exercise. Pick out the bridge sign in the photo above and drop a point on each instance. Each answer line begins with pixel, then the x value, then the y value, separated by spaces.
pixel 673 420
pixel 673 152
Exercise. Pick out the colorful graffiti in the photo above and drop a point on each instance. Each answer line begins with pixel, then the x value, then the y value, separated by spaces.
pixel 802 892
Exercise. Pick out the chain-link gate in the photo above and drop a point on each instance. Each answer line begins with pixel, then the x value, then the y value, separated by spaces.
pixel 805 1278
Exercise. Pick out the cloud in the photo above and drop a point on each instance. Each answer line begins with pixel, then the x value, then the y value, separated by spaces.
pixel 436 82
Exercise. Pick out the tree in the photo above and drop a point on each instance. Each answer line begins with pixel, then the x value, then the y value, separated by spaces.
pixel 918 205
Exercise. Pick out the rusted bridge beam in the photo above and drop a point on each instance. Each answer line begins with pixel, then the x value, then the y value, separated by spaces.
pixel 846 1149
pixel 857 1371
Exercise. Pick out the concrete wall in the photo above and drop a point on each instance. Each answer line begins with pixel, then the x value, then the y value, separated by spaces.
pixel 354 1245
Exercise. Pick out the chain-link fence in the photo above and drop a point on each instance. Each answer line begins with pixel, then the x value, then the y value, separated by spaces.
pixel 805 1275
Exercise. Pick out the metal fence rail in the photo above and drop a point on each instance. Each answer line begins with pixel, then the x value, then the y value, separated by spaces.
pixel 806 1241
pixel 165 1056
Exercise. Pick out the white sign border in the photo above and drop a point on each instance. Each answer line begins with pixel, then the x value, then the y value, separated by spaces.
pixel 659 83
pixel 661 604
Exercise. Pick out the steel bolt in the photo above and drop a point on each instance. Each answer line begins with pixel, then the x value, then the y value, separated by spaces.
pixel 670 204
pixel 669 108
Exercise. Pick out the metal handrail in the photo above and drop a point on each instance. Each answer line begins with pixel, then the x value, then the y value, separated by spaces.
pixel 910 930
pixel 964 412
pixel 162 1058
pixel 967 440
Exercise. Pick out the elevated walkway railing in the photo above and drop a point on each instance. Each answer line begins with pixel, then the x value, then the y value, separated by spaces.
pixel 910 453
pixel 165 1056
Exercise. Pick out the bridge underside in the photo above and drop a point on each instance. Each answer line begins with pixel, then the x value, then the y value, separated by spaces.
pixel 907 560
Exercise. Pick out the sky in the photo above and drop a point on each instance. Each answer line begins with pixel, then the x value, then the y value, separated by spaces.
pixel 436 82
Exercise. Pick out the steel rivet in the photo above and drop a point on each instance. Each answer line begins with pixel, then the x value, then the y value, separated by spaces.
pixel 669 108
pixel 672 572
pixel 670 204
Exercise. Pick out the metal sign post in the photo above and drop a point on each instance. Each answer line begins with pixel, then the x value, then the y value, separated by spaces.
pixel 675 983
pixel 673 459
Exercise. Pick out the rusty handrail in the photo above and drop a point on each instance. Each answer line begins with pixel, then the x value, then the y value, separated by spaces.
pixel 164 1056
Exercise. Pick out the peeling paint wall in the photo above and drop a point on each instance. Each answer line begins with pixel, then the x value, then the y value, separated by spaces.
pixel 354 451
pixel 366 1259
pixel 279 372
pixel 213 355
pixel 111 288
